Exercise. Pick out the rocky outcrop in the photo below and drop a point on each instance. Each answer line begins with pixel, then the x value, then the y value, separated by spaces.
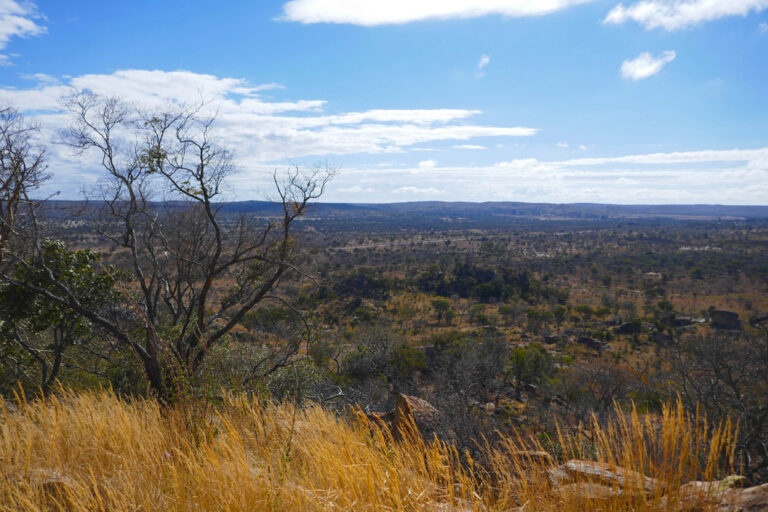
pixel 725 320
pixel 578 471
pixel 592 343
pixel 596 481
pixel 588 491
pixel 629 328
pixel 720 496
pixel 411 411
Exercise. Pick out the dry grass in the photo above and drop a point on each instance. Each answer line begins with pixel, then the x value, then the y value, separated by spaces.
pixel 120 456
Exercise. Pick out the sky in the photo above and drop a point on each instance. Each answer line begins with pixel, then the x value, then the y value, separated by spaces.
pixel 564 101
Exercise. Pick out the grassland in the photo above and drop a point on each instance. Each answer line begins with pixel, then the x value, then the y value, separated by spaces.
pixel 97 452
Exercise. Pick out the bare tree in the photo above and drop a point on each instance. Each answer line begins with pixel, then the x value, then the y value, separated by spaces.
pixel 726 373
pixel 195 272
pixel 22 170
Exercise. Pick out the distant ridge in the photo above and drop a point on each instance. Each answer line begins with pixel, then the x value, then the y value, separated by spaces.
pixel 520 209
pixel 477 211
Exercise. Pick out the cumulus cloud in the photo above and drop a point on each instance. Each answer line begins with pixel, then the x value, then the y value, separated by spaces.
pixel 645 65
pixel 679 14
pixel 260 130
pixel 17 19
pixel 386 12
pixel 469 146
pixel 482 63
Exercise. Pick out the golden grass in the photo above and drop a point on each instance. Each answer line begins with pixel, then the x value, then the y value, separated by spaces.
pixel 137 456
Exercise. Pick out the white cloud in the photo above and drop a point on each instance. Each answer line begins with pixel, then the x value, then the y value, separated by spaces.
pixel 711 176
pixel 481 65
pixel 469 146
pixel 645 65
pixel 678 14
pixel 763 27
pixel 754 157
pixel 562 144
pixel 355 189
pixel 17 19
pixel 385 12
pixel 431 191
pixel 258 129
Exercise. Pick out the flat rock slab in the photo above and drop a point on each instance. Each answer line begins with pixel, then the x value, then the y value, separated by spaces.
pixel 599 472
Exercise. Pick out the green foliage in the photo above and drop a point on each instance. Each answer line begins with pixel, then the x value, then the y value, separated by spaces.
pixel 531 364
pixel 294 382
pixel 37 332
pixel 77 270
pixel 485 283
pixel 443 309
pixel 407 360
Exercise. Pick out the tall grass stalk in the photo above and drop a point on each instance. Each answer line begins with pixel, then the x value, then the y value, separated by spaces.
pixel 109 454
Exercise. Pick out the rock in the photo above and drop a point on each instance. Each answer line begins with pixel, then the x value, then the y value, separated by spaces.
pixel 664 339
pixel 725 320
pixel 589 491
pixel 723 496
pixel 55 486
pixel 654 276
pixel 629 328
pixel 591 343
pixel 681 321
pixel 413 411
pixel 489 407
pixel 692 491
pixel 602 473
pixel 8 406
pixel 751 499
pixel 383 420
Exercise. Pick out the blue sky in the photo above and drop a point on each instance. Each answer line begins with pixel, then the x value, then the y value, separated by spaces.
pixel 651 101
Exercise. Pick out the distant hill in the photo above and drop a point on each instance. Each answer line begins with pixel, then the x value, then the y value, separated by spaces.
pixel 515 209
pixel 437 214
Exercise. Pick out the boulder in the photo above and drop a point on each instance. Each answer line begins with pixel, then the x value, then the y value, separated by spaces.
pixel 599 472
pixel 588 491
pixel 722 496
pixel 591 343
pixel 411 411
pixel 664 339
pixel 629 328
pixel 725 320
pixel 56 487
pixel 383 420
pixel 681 321
pixel 751 499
